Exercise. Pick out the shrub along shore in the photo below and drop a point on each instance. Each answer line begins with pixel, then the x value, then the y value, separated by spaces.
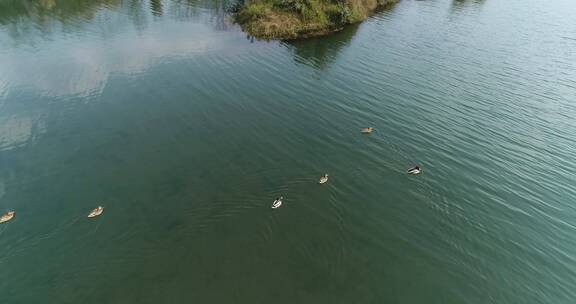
pixel 293 19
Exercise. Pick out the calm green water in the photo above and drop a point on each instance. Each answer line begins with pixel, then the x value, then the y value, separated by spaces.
pixel 185 130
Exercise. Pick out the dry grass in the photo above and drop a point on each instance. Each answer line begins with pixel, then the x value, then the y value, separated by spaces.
pixel 271 19
pixel 274 24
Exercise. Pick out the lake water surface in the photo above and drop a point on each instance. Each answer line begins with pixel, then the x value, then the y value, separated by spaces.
pixel 185 130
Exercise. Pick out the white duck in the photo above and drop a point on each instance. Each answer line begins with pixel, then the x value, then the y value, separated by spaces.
pixel 277 203
pixel 96 212
pixel 7 216
pixel 415 170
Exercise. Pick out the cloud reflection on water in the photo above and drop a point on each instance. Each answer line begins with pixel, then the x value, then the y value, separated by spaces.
pixel 62 56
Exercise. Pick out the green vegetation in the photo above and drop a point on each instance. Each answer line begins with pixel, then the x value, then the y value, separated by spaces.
pixel 291 19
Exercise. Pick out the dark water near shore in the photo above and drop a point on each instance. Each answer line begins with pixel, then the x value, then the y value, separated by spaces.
pixel 185 130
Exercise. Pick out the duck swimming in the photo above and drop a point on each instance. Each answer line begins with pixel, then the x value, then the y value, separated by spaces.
pixel 323 179
pixel 277 203
pixel 96 212
pixel 367 130
pixel 7 216
pixel 415 170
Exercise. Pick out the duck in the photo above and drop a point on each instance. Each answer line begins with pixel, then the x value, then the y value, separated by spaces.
pixel 277 202
pixel 7 216
pixel 323 179
pixel 367 130
pixel 415 170
pixel 96 212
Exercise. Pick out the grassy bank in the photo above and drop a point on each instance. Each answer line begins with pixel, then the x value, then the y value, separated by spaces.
pixel 291 19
